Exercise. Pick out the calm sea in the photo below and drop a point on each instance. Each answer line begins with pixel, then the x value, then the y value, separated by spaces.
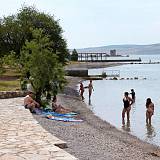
pixel 106 100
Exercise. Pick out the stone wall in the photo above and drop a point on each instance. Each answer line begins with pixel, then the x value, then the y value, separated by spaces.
pixel 77 72
pixel 12 94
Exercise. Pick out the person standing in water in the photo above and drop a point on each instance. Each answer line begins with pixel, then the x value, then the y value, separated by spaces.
pixel 127 101
pixel 81 90
pixel 149 111
pixel 133 95
pixel 90 89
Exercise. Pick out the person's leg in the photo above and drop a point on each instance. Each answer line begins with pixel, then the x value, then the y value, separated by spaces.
pixel 123 115
pixel 150 115
pixel 128 113
pixel 90 92
pixel 147 117
pixel 82 95
pixel 32 107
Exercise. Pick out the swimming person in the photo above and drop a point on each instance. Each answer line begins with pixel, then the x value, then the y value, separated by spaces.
pixel 133 95
pixel 150 110
pixel 90 89
pixel 81 90
pixel 127 101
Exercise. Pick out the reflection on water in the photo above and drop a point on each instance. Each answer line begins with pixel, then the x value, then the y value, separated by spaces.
pixel 133 107
pixel 126 127
pixel 150 131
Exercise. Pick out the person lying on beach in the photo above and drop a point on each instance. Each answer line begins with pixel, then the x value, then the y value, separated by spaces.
pixel 81 90
pixel 127 101
pixel 59 108
pixel 149 110
pixel 30 103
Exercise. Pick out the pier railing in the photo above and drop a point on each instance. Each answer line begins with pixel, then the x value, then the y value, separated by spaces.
pixel 112 73
pixel 103 57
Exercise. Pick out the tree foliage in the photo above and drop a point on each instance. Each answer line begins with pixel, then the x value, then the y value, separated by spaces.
pixel 40 61
pixel 16 29
pixel 74 56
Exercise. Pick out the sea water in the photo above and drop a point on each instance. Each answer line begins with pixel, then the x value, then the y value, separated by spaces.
pixel 106 100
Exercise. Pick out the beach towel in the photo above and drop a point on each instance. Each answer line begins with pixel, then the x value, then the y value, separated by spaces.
pixel 71 114
pixel 64 119
pixel 48 112
pixel 67 117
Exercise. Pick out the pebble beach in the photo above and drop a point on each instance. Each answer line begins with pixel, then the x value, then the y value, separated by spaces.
pixel 95 139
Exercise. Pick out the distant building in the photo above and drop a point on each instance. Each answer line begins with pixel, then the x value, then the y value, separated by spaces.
pixel 113 52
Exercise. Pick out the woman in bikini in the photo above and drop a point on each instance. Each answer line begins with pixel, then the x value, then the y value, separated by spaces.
pixel 127 101
pixel 150 110
pixel 81 90
pixel 58 108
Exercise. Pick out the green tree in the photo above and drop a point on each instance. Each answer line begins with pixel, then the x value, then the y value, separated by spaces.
pixel 16 29
pixel 74 55
pixel 1 66
pixel 41 62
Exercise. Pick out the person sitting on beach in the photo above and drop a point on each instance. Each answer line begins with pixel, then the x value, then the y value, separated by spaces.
pixel 127 101
pixel 81 90
pixel 150 110
pixel 133 95
pixel 30 103
pixel 58 108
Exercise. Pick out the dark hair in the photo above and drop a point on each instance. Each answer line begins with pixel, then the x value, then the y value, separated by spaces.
pixel 148 101
pixel 126 93
pixel 54 98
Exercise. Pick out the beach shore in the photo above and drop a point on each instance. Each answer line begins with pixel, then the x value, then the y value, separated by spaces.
pixel 95 139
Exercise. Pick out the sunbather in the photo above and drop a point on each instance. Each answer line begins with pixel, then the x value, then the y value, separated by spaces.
pixel 30 103
pixel 57 107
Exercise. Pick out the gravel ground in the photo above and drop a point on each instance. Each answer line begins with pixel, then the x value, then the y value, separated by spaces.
pixel 95 139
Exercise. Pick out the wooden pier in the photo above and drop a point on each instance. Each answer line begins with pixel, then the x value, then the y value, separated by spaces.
pixel 103 57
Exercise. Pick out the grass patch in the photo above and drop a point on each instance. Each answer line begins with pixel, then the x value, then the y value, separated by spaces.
pixel 11 72
pixel 10 85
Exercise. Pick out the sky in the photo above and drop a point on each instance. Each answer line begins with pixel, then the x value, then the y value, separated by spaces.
pixel 93 23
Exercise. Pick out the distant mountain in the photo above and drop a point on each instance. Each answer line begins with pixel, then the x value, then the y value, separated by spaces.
pixel 124 49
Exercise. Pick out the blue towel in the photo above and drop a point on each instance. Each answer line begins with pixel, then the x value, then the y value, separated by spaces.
pixel 64 119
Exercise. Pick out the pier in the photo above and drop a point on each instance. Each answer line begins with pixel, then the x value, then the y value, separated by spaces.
pixel 104 57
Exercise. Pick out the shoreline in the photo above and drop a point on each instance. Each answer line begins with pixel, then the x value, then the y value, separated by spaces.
pixel 94 138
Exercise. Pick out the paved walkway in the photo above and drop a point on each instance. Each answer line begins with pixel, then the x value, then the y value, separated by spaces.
pixel 22 138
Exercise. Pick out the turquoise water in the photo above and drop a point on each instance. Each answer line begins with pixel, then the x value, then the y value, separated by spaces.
pixel 106 101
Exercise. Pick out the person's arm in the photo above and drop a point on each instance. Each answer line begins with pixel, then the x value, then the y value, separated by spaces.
pixel 92 88
pixel 131 100
pixel 152 106
pixel 36 103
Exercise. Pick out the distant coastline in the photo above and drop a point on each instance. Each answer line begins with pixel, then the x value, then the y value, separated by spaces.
pixel 126 49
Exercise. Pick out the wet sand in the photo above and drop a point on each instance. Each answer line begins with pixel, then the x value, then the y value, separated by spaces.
pixel 95 139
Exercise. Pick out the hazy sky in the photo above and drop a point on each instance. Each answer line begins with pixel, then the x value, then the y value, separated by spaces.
pixel 90 23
